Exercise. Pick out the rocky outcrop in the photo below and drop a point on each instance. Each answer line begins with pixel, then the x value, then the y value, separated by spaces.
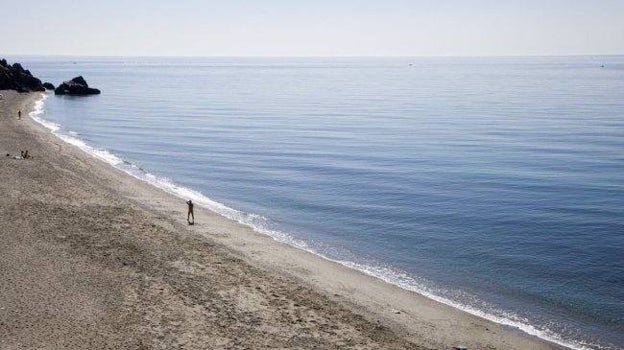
pixel 48 86
pixel 77 86
pixel 15 77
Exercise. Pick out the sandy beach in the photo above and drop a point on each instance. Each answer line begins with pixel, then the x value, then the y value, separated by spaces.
pixel 94 258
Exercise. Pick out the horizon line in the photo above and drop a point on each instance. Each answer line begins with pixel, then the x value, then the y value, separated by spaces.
pixel 314 56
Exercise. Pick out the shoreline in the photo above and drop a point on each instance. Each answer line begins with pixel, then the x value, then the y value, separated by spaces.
pixel 410 316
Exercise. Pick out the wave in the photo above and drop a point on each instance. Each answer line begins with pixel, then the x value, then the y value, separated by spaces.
pixel 259 224
pixel 504 317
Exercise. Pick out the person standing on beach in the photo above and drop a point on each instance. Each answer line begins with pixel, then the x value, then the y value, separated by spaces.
pixel 19 115
pixel 190 213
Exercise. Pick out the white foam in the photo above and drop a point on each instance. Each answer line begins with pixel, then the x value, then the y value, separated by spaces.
pixel 260 224
pixel 38 110
pixel 407 282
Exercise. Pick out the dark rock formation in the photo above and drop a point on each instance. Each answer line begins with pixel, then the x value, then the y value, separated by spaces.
pixel 15 77
pixel 48 86
pixel 77 86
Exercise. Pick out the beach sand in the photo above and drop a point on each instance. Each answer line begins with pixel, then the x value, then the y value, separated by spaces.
pixel 92 258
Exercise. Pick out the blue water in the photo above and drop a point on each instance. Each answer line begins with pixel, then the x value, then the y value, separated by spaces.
pixel 492 184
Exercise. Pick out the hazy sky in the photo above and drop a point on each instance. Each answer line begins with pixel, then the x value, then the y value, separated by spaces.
pixel 312 28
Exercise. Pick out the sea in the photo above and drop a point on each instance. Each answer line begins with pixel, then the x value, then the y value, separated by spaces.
pixel 492 184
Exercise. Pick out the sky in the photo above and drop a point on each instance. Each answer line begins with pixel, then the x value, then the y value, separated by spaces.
pixel 312 28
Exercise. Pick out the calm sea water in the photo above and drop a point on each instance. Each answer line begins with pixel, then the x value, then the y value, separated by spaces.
pixel 492 184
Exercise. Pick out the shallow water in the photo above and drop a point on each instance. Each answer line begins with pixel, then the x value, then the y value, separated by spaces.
pixel 493 184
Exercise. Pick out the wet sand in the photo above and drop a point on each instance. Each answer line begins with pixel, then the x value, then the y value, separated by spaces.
pixel 94 258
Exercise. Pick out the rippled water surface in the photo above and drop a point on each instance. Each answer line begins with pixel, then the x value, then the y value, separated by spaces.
pixel 493 184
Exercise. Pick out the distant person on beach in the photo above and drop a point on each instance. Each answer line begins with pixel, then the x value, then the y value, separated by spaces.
pixel 190 213
pixel 19 115
pixel 23 155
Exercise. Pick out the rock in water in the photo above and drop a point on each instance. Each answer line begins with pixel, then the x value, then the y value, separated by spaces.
pixel 48 86
pixel 15 77
pixel 80 81
pixel 77 86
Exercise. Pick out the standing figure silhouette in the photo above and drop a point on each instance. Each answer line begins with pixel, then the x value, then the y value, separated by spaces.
pixel 190 213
